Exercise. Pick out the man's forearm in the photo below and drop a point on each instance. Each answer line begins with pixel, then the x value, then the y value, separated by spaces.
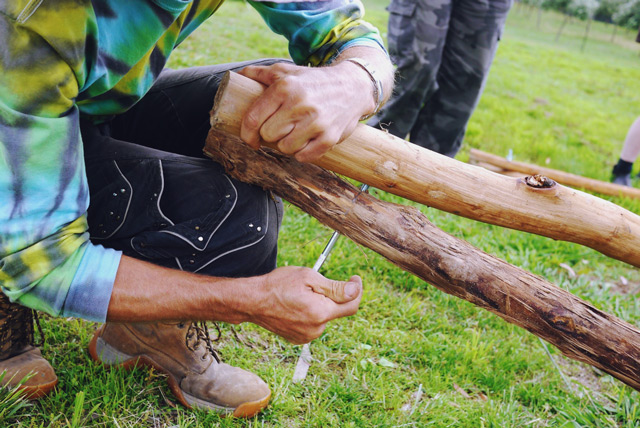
pixel 293 302
pixel 145 292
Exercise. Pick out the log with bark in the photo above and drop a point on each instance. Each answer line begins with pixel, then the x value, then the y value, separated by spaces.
pixel 513 168
pixel 406 237
pixel 396 166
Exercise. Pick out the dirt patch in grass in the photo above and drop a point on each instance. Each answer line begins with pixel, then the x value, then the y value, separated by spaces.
pixel 585 380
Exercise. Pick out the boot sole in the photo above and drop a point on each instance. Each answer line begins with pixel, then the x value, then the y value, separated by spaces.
pixel 35 392
pixel 118 359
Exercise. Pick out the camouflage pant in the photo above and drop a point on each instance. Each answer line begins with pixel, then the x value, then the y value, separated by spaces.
pixel 443 50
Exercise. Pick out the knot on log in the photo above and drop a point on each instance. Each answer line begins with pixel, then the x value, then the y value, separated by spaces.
pixel 539 181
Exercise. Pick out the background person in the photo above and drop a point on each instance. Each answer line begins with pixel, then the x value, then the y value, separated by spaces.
pixel 621 173
pixel 443 50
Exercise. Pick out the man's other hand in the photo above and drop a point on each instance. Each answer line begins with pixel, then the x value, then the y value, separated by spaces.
pixel 296 302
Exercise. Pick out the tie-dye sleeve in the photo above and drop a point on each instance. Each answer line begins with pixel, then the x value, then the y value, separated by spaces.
pixel 46 259
pixel 319 30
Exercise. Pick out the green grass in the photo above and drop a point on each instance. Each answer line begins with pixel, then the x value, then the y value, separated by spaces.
pixel 551 104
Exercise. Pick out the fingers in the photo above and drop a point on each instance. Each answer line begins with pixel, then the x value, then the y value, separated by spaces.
pixel 273 131
pixel 265 106
pixel 348 292
pixel 313 150
pixel 345 297
pixel 306 336
pixel 293 113
pixel 291 128
pixel 259 112
pixel 308 140
pixel 300 302
pixel 266 75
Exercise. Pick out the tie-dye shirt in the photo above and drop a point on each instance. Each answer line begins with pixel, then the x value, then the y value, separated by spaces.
pixel 66 59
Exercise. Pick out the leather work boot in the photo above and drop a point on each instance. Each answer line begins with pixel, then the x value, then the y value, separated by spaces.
pixel 20 360
pixel 183 351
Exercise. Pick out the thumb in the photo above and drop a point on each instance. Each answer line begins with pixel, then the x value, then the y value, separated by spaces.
pixel 341 291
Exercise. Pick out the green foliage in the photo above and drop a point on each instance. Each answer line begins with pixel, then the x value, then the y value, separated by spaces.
pixel 606 10
pixel 558 5
pixel 413 356
pixel 12 404
pixel 628 14
pixel 625 13
pixel 583 9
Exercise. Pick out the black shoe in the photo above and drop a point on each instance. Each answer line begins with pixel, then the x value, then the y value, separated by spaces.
pixel 622 180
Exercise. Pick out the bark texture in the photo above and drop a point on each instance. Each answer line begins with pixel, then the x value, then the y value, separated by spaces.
pixel 405 236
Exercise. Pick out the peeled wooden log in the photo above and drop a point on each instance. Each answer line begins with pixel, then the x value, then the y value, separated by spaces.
pixel 504 166
pixel 396 166
pixel 406 237
pixel 496 169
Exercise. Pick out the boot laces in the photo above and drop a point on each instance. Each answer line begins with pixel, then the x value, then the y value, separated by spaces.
pixel 17 327
pixel 200 331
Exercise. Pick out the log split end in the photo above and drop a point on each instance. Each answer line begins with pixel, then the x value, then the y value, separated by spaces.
pixel 214 118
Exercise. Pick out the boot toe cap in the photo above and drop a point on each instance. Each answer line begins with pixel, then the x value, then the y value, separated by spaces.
pixel 227 389
pixel 31 372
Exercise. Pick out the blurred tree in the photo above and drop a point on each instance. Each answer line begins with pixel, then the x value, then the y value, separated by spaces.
pixel 607 8
pixel 584 10
pixel 558 5
pixel 628 14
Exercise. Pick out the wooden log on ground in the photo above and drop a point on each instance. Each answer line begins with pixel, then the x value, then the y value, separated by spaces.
pixel 407 238
pixel 396 166
pixel 568 179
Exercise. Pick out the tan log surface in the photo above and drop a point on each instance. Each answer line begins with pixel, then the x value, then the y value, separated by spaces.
pixel 508 167
pixel 396 166
pixel 407 238
pixel 496 169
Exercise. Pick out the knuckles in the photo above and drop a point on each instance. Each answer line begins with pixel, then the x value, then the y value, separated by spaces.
pixel 314 333
pixel 289 87
pixel 289 146
pixel 305 334
pixel 250 121
pixel 325 145
pixel 336 288
pixel 281 67
pixel 317 317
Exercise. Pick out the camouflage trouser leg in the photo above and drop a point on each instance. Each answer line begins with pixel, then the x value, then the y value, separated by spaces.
pixel 443 50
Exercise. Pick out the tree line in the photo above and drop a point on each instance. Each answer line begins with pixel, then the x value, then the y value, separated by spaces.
pixel 624 13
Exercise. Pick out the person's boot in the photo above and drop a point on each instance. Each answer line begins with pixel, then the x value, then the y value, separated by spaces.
pixel 183 351
pixel 21 363
pixel 621 173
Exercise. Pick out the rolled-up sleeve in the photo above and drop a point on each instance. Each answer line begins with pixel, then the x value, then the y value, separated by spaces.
pixel 318 31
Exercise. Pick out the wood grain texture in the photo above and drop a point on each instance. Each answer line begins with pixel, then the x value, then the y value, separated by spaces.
pixel 391 164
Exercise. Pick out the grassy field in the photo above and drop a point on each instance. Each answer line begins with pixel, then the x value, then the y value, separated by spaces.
pixel 414 356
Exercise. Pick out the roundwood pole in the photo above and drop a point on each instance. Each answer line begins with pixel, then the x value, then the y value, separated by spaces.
pixel 405 236
pixel 391 164
pixel 510 167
